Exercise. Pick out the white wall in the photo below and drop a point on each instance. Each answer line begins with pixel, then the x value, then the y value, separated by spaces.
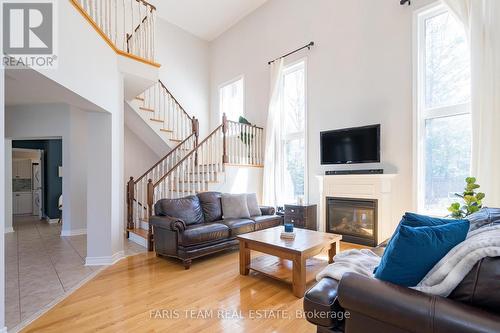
pixel 99 194
pixel 2 200
pixel 8 186
pixel 138 156
pixel 359 72
pixel 86 64
pixel 240 180
pixel 185 69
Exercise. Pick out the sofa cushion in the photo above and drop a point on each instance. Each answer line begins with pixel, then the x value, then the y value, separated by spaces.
pixel 480 288
pixel 239 226
pixel 211 205
pixel 253 205
pixel 234 206
pixel 203 233
pixel 412 252
pixel 187 209
pixel 266 210
pixel 266 221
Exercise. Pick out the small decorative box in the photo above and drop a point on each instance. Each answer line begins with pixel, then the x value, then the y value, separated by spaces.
pixel 288 235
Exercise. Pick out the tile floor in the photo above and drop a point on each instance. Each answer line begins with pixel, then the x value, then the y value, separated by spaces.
pixel 41 266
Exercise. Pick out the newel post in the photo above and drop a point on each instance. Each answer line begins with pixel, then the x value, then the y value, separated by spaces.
pixel 150 193
pixel 225 158
pixel 130 203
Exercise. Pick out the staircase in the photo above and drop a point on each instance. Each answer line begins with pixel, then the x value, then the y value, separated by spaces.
pixel 191 168
pixel 159 109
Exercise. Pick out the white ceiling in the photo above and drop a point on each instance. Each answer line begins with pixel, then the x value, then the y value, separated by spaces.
pixel 205 19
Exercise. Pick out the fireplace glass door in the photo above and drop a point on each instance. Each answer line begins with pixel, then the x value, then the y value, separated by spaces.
pixel 355 219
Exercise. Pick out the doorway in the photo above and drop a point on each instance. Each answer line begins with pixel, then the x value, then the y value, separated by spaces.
pixel 37 178
pixel 27 182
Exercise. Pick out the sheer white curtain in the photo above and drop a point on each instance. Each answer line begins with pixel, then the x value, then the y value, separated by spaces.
pixel 273 160
pixel 481 19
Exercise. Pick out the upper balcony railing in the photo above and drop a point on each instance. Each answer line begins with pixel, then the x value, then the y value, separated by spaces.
pixel 128 26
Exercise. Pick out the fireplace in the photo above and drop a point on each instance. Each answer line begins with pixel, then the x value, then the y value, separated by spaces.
pixel 354 219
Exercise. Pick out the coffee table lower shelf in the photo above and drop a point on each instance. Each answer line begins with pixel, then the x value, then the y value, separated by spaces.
pixel 282 269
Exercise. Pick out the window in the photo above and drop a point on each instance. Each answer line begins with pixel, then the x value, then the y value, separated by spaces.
pixel 232 99
pixel 293 115
pixel 444 131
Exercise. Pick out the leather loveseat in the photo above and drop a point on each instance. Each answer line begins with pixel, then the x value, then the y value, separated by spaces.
pixel 193 226
pixel 368 305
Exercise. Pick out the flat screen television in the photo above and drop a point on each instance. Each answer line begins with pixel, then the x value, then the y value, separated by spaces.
pixel 351 145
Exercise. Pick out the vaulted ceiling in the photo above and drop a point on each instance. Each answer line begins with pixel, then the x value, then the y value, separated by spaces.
pixel 206 19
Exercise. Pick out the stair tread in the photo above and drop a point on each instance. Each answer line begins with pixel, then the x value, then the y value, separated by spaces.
pixel 146 109
pixel 139 98
pixel 166 130
pixel 139 232
pixel 176 140
pixel 157 120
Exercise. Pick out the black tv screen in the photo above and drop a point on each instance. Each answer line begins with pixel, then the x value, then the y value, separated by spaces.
pixel 351 145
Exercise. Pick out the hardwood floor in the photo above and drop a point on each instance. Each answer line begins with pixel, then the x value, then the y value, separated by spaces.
pixel 149 294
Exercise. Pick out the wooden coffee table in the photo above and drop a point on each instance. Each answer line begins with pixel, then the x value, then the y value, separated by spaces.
pixel 306 245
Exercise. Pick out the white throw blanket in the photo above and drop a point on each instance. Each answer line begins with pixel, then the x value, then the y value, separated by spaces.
pixel 446 274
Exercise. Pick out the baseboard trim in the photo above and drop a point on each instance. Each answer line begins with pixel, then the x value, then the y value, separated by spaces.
pixel 77 232
pixel 105 261
pixel 8 230
pixel 138 239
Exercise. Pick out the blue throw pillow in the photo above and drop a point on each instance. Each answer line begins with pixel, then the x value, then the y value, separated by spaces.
pixel 417 220
pixel 414 251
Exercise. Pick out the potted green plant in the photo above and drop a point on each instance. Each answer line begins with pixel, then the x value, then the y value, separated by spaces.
pixel 246 138
pixel 472 200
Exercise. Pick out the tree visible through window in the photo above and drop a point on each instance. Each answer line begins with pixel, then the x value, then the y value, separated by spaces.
pixel 293 132
pixel 444 92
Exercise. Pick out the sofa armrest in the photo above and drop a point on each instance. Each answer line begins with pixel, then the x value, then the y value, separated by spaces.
pixel 321 305
pixel 266 210
pixel 168 222
pixel 407 308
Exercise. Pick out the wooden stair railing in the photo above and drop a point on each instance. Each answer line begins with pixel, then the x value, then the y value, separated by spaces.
pixel 230 141
pixel 244 144
pixel 137 189
pixel 164 108
pixel 128 26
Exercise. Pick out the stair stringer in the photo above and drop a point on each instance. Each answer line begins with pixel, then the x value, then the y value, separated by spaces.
pixel 142 129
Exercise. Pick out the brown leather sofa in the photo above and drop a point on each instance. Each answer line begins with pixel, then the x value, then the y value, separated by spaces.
pixel 368 305
pixel 193 226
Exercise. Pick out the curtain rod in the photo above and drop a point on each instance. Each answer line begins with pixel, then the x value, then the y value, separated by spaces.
pixel 308 46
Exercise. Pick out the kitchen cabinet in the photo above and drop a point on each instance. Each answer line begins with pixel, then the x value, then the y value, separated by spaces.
pixel 22 203
pixel 21 169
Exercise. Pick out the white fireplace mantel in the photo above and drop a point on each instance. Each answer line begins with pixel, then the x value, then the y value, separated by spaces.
pixel 374 187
